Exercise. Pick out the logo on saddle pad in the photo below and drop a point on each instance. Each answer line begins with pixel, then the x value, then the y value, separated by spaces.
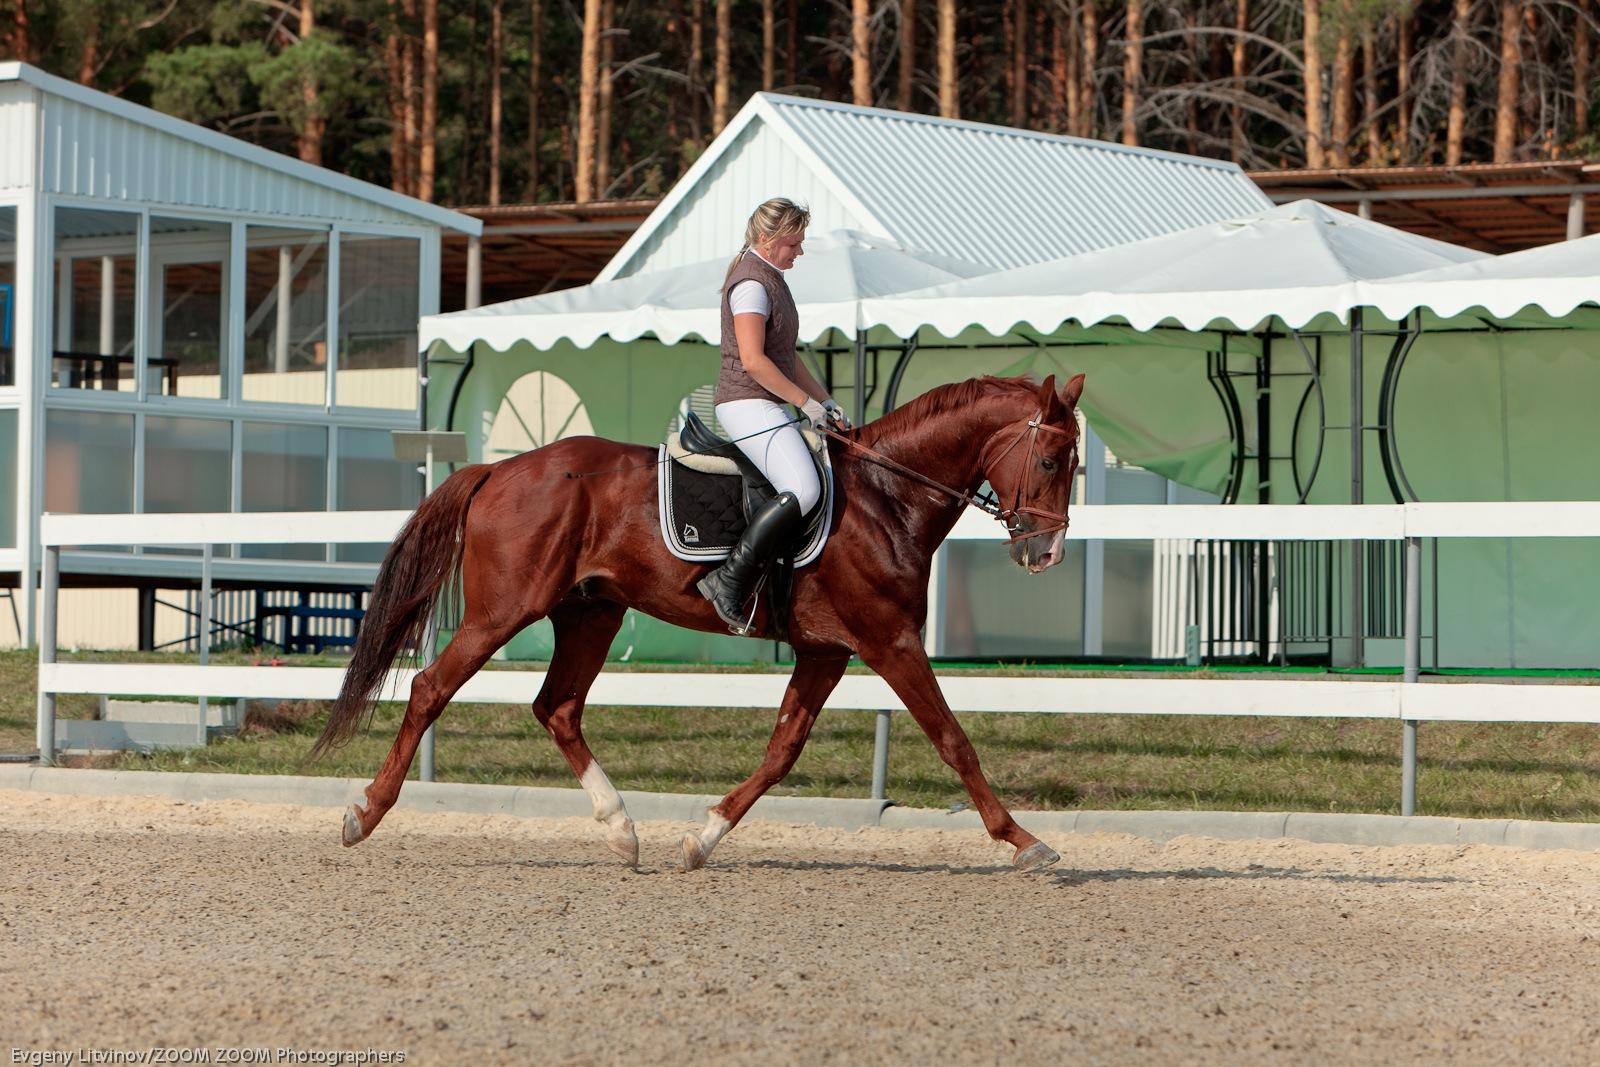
pixel 691 535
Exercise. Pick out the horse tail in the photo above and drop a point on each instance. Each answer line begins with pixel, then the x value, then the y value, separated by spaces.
pixel 416 572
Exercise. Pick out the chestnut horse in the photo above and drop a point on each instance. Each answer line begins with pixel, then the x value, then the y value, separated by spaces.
pixel 528 538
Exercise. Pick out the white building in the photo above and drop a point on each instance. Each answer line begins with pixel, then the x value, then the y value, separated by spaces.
pixel 192 323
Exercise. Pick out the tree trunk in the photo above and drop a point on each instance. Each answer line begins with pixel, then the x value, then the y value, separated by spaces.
pixel 394 51
pixel 496 51
pixel 792 56
pixel 1063 74
pixel 1132 72
pixel 720 93
pixel 21 48
pixel 949 101
pixel 427 161
pixel 1456 124
pixel 1019 64
pixel 1369 95
pixel 314 126
pixel 769 39
pixel 411 46
pixel 1241 23
pixel 535 96
pixel 1191 41
pixel 1402 110
pixel 908 51
pixel 1506 98
pixel 1313 54
pixel 91 54
pixel 1582 57
pixel 1091 64
pixel 1344 100
pixel 588 92
pixel 608 54
pixel 697 62
pixel 860 52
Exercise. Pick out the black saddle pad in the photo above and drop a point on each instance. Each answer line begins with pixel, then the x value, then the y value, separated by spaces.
pixel 702 515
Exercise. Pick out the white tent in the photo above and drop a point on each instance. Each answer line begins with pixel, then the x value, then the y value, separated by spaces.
pixel 1555 278
pixel 1292 263
pixel 837 271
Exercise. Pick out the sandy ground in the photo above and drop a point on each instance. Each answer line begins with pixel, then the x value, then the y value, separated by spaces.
pixel 130 923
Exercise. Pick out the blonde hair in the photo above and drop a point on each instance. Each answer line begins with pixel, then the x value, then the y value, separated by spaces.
pixel 778 217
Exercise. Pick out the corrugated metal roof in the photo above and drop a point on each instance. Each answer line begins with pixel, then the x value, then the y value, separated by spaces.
pixel 98 145
pixel 989 194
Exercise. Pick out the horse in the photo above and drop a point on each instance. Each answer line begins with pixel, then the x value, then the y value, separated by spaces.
pixel 535 537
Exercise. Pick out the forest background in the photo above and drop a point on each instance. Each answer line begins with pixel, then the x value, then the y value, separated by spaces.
pixel 490 101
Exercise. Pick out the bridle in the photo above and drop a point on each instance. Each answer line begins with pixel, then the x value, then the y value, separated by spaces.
pixel 1009 517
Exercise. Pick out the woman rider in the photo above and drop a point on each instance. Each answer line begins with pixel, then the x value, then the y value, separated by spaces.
pixel 761 372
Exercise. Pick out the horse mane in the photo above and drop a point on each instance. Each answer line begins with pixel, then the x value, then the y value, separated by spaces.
pixel 941 399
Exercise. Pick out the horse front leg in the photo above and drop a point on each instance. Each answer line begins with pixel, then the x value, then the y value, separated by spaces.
pixel 904 665
pixel 813 679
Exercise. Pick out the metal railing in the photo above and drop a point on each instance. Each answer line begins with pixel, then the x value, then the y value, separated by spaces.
pixel 1405 701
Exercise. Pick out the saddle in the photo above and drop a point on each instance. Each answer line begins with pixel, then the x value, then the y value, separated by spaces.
pixel 709 489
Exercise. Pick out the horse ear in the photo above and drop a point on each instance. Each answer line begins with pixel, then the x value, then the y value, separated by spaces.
pixel 1072 391
pixel 1047 392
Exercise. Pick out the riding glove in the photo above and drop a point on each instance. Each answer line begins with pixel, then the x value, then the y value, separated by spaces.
pixel 836 413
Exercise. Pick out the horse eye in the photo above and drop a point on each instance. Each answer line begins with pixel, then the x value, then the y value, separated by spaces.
pixel 1048 464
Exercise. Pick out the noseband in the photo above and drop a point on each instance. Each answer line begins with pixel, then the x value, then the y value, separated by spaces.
pixel 1009 517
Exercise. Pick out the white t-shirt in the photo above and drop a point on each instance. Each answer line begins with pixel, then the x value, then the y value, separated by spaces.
pixel 749 297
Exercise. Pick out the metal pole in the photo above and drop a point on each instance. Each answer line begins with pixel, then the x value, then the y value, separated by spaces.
pixel 1575 222
pixel 1357 490
pixel 429 634
pixel 880 757
pixel 860 405
pixel 474 272
pixel 205 628
pixel 1408 736
pixel 47 653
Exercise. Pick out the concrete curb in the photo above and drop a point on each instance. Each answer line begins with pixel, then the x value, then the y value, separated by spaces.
pixel 837 813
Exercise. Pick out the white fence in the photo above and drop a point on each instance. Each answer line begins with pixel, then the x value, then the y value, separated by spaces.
pixel 1404 701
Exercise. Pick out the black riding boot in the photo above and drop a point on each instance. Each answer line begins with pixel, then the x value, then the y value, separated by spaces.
pixel 770 531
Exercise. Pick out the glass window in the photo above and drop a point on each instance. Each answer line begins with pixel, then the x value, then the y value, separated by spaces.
pixel 187 464
pixel 96 255
pixel 88 462
pixel 379 281
pixel 8 478
pixel 8 302
pixel 992 607
pixel 284 468
pixel 371 479
pixel 286 316
pixel 189 295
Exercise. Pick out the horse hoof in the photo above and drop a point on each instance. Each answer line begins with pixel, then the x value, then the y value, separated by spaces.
pixel 353 833
pixel 625 845
pixel 693 853
pixel 1036 857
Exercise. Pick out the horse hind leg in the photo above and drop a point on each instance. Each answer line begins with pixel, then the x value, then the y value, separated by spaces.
pixel 469 649
pixel 583 632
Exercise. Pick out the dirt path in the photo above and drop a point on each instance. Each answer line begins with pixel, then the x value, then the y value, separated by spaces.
pixel 129 923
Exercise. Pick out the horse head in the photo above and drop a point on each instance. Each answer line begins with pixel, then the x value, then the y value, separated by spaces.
pixel 1030 464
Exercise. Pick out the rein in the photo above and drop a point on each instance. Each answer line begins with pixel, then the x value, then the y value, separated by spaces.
pixel 989 505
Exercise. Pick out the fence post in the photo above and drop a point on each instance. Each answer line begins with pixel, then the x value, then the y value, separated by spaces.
pixel 1413 668
pixel 205 629
pixel 46 732
pixel 430 641
pixel 880 757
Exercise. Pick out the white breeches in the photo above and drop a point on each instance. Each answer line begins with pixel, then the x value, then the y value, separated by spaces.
pixel 780 454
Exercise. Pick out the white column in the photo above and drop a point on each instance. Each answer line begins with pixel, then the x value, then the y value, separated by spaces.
pixel 1575 225
pixel 31 358
pixel 1364 209
pixel 280 352
pixel 108 306
pixel 474 272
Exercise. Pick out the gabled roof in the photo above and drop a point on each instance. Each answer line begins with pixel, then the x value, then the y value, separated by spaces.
pixel 1292 262
pixel 243 151
pixel 1555 278
pixel 990 194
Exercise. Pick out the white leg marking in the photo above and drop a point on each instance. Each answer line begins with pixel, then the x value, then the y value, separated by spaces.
pixel 608 809
pixel 696 848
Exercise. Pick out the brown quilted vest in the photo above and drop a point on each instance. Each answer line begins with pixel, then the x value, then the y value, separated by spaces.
pixel 783 327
